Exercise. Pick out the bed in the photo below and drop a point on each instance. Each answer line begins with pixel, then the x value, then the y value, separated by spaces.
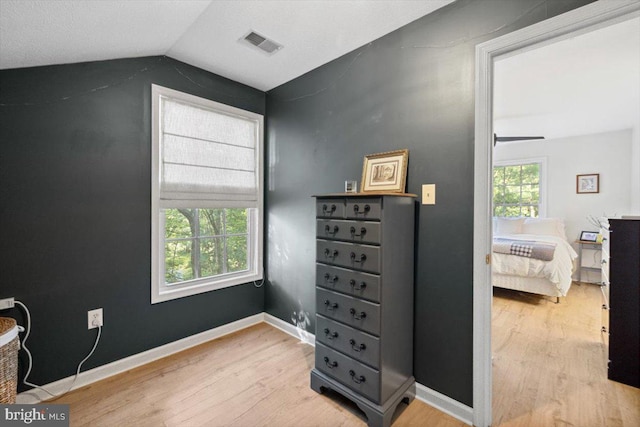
pixel 532 255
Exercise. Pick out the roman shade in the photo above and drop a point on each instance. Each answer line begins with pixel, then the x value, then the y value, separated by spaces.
pixel 207 155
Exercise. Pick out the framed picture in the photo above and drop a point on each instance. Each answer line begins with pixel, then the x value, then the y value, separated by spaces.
pixel 385 172
pixel 588 183
pixel 350 186
pixel 589 236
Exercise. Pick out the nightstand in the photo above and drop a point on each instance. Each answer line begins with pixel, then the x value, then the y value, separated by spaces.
pixel 596 249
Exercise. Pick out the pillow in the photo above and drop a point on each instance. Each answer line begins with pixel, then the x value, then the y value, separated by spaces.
pixel 508 225
pixel 544 226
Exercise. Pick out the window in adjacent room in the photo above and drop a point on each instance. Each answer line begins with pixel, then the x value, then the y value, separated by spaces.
pixel 518 188
pixel 206 195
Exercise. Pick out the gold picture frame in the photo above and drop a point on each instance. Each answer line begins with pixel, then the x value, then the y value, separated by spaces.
pixel 385 172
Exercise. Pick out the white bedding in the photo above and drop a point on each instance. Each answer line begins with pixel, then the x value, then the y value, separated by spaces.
pixel 558 271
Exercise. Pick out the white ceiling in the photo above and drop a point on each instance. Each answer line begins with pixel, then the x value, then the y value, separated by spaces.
pixel 584 85
pixel 201 33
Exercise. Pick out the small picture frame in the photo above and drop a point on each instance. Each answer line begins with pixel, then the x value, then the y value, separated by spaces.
pixel 589 236
pixel 385 172
pixel 351 186
pixel 589 183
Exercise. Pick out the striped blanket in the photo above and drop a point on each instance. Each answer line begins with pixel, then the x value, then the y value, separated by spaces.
pixel 524 248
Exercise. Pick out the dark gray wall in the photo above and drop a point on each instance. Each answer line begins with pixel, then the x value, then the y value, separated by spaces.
pixel 75 215
pixel 75 194
pixel 413 88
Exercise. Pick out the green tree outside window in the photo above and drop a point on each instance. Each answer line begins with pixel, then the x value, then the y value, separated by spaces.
pixel 205 243
pixel 516 190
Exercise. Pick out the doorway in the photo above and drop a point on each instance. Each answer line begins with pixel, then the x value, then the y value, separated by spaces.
pixel 580 21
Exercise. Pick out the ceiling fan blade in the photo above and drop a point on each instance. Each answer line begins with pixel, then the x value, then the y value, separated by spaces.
pixel 497 138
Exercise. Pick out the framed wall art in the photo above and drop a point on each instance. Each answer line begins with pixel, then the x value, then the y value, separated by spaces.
pixel 385 172
pixel 586 184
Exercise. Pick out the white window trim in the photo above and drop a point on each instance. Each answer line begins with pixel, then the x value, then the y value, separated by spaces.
pixel 159 291
pixel 542 161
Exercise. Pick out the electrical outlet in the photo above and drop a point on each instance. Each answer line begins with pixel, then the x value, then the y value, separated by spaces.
pixel 6 303
pixel 94 318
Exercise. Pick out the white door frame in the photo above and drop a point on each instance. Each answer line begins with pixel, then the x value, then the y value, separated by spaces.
pixel 595 15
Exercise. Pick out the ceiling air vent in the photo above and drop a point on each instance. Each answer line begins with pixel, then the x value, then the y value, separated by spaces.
pixel 264 44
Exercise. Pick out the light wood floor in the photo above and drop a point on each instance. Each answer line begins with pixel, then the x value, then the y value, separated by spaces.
pixel 549 370
pixel 255 377
pixel 549 363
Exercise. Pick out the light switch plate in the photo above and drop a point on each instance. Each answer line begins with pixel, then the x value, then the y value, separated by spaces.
pixel 428 194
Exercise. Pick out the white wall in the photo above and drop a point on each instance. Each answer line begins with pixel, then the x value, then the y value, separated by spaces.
pixel 610 154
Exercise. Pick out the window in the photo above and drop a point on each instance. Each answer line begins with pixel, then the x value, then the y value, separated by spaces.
pixel 517 189
pixel 206 195
pixel 204 243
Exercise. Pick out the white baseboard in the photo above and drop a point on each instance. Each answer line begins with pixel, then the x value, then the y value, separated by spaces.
pixel 430 397
pixel 425 394
pixel 445 404
pixel 122 365
pixel 294 331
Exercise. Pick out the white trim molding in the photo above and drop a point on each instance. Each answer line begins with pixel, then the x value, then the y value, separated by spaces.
pixel 444 404
pixel 593 16
pixel 428 396
pixel 101 372
pixel 305 337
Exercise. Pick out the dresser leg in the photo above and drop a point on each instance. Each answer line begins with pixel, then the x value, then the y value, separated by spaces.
pixel 377 416
pixel 380 420
pixel 317 383
pixel 383 419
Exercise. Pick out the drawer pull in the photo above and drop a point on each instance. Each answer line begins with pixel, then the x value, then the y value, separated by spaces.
pixel 604 307
pixel 356 209
pixel 604 329
pixel 329 254
pixel 327 229
pixel 358 380
pixel 329 305
pixel 330 335
pixel 326 208
pixel 330 365
pixel 357 316
pixel 363 257
pixel 329 279
pixel 360 287
pixel 357 348
pixel 604 261
pixel 363 231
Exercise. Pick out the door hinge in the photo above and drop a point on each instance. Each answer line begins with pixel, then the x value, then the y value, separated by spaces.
pixel 487 259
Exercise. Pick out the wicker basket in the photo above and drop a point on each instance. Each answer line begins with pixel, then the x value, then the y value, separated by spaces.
pixel 9 345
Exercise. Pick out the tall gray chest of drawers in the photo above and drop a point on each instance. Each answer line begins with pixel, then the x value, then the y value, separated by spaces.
pixel 364 301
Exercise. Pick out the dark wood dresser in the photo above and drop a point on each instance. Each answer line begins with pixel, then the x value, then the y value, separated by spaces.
pixel 364 301
pixel 624 294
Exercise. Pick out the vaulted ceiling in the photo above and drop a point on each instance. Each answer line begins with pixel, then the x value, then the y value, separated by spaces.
pixel 203 33
pixel 566 88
